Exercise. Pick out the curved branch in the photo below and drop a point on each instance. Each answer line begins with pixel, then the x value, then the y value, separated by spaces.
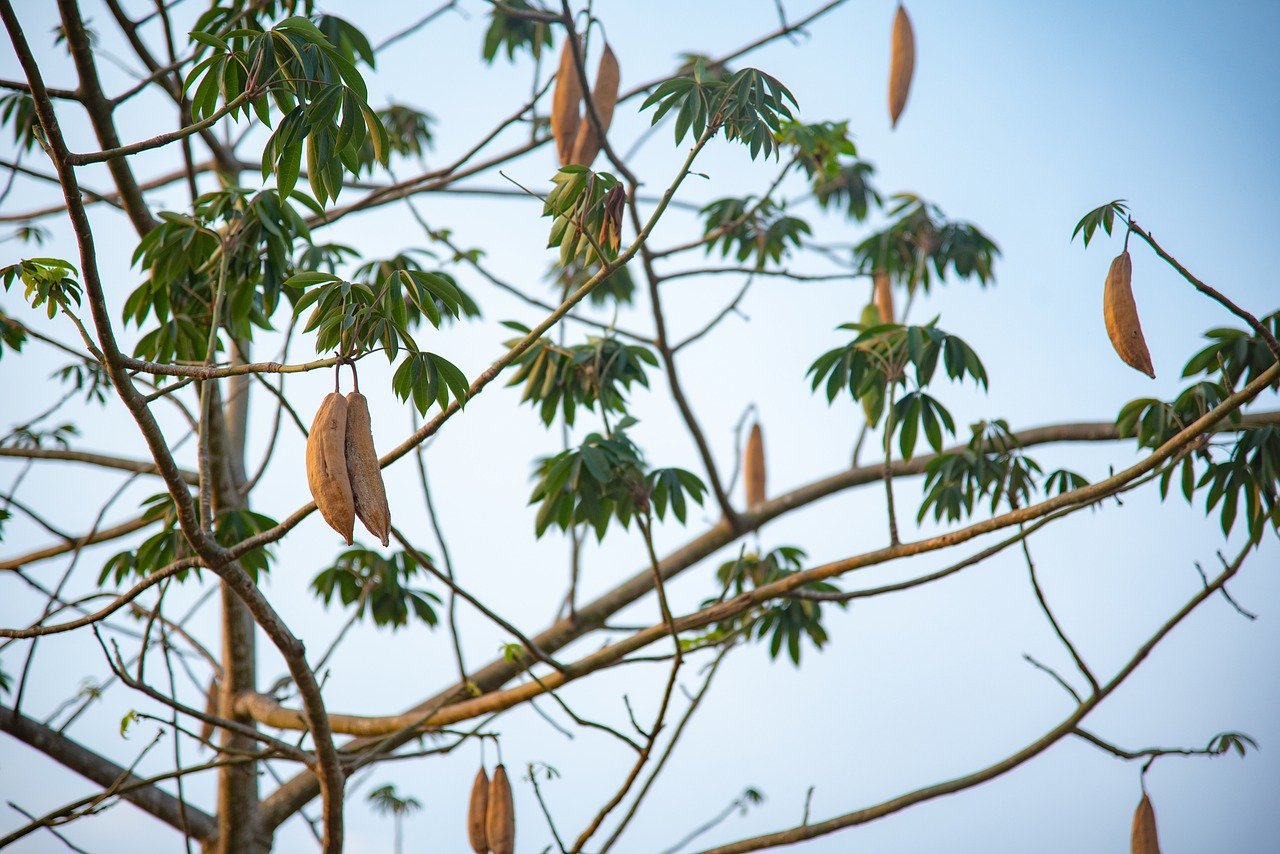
pixel 100 460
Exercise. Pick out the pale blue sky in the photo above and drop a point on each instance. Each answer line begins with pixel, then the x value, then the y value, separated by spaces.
pixel 1022 117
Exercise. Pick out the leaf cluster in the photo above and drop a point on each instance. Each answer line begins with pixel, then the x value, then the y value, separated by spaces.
pixel 378 586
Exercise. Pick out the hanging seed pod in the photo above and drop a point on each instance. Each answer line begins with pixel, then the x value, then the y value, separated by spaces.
pixel 327 465
pixel 500 815
pixel 565 103
pixel 1145 840
pixel 604 95
pixel 1121 315
pixel 883 296
pixel 902 64
pixel 367 489
pixel 753 471
pixel 211 707
pixel 477 813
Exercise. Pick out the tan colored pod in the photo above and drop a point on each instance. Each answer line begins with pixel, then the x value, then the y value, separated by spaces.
pixel 565 104
pixel 478 813
pixel 883 296
pixel 500 816
pixel 604 94
pixel 327 465
pixel 367 489
pixel 1121 315
pixel 753 471
pixel 902 64
pixel 1145 840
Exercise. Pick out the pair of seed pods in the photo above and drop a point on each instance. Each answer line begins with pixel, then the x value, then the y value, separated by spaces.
pixel 491 815
pixel 342 467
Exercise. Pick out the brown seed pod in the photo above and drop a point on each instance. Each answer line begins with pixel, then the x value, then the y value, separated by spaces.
pixel 477 813
pixel 500 816
pixel 211 707
pixel 1145 840
pixel 753 471
pixel 883 296
pixel 565 103
pixel 327 465
pixel 604 95
pixel 902 64
pixel 1121 315
pixel 367 489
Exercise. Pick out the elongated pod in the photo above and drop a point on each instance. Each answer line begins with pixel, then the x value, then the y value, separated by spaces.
pixel 1121 315
pixel 565 104
pixel 604 95
pixel 902 64
pixel 367 489
pixel 500 817
pixel 327 465
pixel 478 813
pixel 753 469
pixel 1145 840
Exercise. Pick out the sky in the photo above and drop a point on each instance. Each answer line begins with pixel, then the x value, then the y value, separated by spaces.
pixel 1022 117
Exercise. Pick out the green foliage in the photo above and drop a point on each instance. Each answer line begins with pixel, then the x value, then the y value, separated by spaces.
pixel 1240 469
pixel 1227 741
pixel 378 587
pixel 605 478
pixel 12 334
pixel 1103 217
pixel 379 270
pixel 601 370
pixel 880 356
pixel 313 83
pixel 829 158
pixel 618 288
pixel 18 111
pixel 24 436
pixel 992 466
pixel 749 106
pixel 87 377
pixel 748 228
pixel 514 33
pixel 581 215
pixel 785 622
pixel 408 134
pixel 47 282
pixel 921 243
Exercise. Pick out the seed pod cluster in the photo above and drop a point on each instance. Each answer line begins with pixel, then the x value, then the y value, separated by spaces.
pixel 883 296
pixel 477 813
pixel 902 64
pixel 575 135
pixel 753 470
pixel 1120 313
pixel 367 490
pixel 1145 840
pixel 327 465
pixel 500 814
pixel 342 467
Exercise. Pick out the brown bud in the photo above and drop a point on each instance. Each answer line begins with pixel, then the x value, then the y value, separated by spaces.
pixel 604 95
pixel 367 489
pixel 500 816
pixel 902 64
pixel 477 813
pixel 327 465
pixel 753 471
pixel 1121 315
pixel 1145 840
pixel 565 103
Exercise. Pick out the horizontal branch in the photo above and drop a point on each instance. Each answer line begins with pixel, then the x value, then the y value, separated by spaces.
pixel 123 529
pixel 99 460
pixel 106 773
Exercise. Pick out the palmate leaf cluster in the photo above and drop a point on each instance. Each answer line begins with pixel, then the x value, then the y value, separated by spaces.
pixel 993 466
pixel 749 227
pixel 583 225
pixel 378 586
pixel 749 106
pixel 784 622
pixel 879 357
pixel 598 371
pixel 921 243
pixel 1238 470
pixel 606 478
pixel 312 82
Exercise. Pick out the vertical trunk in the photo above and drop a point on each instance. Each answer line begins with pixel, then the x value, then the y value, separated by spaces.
pixel 239 830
